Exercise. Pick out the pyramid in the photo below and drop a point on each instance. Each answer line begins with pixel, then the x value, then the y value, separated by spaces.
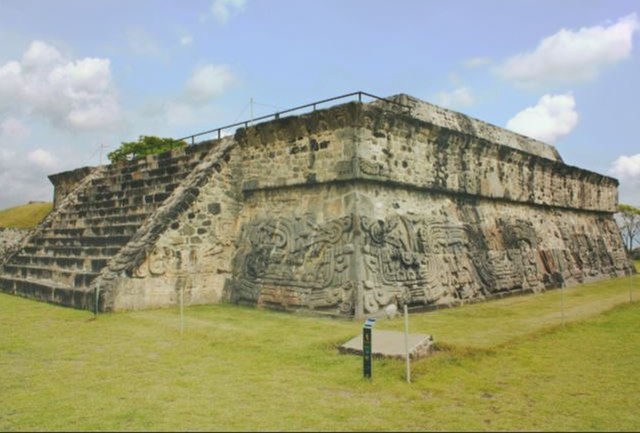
pixel 339 211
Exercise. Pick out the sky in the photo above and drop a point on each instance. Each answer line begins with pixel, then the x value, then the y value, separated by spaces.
pixel 78 78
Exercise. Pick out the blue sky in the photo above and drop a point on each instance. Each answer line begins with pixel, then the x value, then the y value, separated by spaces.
pixel 75 75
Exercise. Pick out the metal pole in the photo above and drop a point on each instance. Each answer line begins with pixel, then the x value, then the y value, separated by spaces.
pixel 181 309
pixel 251 109
pixel 97 299
pixel 406 342
pixel 562 302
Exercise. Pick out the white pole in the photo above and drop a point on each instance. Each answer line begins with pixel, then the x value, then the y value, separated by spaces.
pixel 181 309
pixel 97 298
pixel 562 302
pixel 251 109
pixel 406 342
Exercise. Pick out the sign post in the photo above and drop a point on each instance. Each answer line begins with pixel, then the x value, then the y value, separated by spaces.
pixel 366 347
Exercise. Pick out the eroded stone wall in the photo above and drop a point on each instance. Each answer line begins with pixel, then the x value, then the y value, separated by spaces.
pixel 440 249
pixel 310 149
pixel 65 182
pixel 401 149
pixel 10 237
pixel 380 207
pixel 455 121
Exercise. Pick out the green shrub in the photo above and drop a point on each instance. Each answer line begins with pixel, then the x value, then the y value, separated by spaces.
pixel 146 145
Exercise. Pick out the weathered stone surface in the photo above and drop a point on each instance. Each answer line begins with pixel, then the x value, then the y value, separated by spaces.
pixel 339 212
pixel 10 237
pixel 65 182
pixel 455 121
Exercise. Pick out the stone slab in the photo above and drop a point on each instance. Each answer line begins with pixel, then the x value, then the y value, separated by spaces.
pixel 390 344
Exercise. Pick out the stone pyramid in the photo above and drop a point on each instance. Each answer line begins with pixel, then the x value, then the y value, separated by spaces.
pixel 339 211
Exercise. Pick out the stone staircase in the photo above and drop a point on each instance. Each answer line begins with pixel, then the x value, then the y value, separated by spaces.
pixel 70 248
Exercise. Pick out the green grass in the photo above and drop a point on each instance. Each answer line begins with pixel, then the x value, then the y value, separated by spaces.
pixel 26 216
pixel 505 365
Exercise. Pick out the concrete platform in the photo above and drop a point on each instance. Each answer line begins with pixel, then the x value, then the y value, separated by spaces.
pixel 390 344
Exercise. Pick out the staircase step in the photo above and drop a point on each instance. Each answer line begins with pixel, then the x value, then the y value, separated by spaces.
pixel 76 263
pixel 128 201
pixel 117 183
pixel 91 231
pixel 70 278
pixel 121 211
pixel 120 193
pixel 159 161
pixel 73 223
pixel 49 292
pixel 66 251
pixel 81 241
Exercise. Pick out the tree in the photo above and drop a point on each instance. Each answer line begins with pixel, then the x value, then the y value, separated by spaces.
pixel 628 219
pixel 146 145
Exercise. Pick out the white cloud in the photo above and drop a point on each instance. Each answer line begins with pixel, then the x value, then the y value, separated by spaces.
pixel 458 98
pixel 569 56
pixel 193 108
pixel 42 158
pixel 40 56
pixel 180 114
pixel 21 179
pixel 11 85
pixel 222 9
pixel 186 40
pixel 141 43
pixel 553 117
pixel 476 62
pixel 207 82
pixel 627 167
pixel 627 170
pixel 13 130
pixel 71 94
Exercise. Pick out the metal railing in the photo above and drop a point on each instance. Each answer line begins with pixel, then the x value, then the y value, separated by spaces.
pixel 276 115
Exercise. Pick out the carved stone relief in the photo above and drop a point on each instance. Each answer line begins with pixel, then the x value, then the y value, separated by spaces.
pixel 418 260
pixel 296 253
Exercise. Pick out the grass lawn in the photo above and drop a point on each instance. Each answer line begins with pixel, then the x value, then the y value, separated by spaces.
pixel 504 365
pixel 25 216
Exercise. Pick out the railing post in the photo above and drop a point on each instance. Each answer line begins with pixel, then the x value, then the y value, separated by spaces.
pixel 359 96
pixel 193 140
pixel 219 133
